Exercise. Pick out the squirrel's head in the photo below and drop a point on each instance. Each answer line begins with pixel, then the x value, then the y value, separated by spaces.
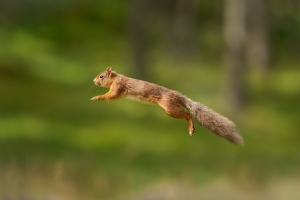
pixel 106 78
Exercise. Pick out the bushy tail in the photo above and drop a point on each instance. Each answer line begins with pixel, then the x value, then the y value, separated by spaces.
pixel 213 121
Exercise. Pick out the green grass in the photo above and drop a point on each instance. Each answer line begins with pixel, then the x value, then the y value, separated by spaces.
pixel 53 137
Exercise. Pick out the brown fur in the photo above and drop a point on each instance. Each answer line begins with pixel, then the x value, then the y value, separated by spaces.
pixel 171 101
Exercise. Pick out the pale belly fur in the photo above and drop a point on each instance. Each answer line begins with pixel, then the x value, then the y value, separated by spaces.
pixel 139 100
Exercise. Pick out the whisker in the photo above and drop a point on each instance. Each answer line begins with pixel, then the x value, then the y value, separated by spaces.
pixel 90 86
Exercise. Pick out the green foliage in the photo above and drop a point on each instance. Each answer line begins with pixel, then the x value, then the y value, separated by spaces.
pixel 128 145
pixel 54 141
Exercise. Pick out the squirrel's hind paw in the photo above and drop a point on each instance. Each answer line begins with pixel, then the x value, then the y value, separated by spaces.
pixel 191 132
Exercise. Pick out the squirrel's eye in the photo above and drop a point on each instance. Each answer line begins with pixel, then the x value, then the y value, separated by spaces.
pixel 101 76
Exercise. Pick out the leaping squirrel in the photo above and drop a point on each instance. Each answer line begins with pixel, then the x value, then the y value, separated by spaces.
pixel 173 103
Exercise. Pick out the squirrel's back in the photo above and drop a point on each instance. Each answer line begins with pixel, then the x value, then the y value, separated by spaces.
pixel 142 91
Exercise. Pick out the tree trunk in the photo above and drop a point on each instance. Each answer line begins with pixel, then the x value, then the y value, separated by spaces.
pixel 180 27
pixel 234 38
pixel 139 37
pixel 185 27
pixel 257 51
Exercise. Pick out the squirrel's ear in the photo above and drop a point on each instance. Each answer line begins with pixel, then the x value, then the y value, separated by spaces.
pixel 110 71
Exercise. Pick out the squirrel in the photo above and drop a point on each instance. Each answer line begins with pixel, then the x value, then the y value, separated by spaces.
pixel 172 102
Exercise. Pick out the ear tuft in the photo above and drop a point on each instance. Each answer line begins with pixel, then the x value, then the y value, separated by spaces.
pixel 110 71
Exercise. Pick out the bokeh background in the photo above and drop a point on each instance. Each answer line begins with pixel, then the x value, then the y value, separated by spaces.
pixel 240 58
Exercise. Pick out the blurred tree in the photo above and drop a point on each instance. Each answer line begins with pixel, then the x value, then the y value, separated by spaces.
pixel 139 36
pixel 285 31
pixel 234 37
pixel 180 26
pixel 257 48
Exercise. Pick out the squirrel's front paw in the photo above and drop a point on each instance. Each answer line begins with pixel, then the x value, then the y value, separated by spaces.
pixel 95 98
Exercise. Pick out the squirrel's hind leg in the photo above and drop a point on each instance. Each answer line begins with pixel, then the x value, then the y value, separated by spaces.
pixel 176 111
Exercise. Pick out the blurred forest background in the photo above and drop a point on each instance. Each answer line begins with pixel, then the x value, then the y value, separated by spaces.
pixel 238 57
